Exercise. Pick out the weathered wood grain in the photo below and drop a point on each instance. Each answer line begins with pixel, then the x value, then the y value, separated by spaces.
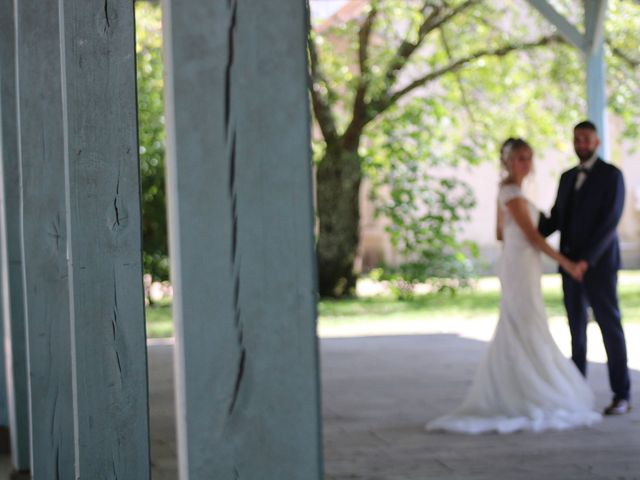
pixel 104 238
pixel 240 217
pixel 46 286
pixel 10 248
pixel 4 407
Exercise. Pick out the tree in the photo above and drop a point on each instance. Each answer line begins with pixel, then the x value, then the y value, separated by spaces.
pixel 151 138
pixel 441 82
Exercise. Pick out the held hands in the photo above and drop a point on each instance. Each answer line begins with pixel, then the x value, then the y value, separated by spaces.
pixel 576 269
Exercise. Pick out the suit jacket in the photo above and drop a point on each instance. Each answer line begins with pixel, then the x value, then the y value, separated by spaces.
pixel 588 219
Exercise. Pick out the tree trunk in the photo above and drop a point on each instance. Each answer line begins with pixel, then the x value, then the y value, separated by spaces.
pixel 338 184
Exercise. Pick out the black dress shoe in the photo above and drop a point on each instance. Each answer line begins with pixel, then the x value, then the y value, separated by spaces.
pixel 618 407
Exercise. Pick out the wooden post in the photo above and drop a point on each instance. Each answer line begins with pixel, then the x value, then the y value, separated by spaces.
pixel 595 13
pixel 4 407
pixel 10 248
pixel 591 44
pixel 5 442
pixel 44 239
pixel 597 98
pixel 564 26
pixel 104 239
pixel 241 223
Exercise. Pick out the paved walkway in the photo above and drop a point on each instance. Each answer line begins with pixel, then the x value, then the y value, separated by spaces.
pixel 379 391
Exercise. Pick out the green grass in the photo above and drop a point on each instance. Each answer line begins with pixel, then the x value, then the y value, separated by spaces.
pixel 159 321
pixel 481 302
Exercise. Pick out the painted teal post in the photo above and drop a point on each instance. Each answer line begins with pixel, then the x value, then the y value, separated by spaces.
pixel 241 236
pixel 108 351
pixel 597 97
pixel 591 44
pixel 4 407
pixel 595 13
pixel 10 249
pixel 44 239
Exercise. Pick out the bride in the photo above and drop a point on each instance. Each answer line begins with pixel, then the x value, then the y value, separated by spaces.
pixel 524 382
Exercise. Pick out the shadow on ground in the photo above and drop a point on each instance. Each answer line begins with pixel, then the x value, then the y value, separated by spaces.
pixel 378 392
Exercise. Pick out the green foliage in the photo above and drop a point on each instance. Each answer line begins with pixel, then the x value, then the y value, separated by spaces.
pixel 470 304
pixel 461 116
pixel 623 25
pixel 426 212
pixel 151 136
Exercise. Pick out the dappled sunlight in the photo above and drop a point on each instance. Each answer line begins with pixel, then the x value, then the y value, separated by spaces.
pixel 469 313
pixel 480 328
pixel 378 392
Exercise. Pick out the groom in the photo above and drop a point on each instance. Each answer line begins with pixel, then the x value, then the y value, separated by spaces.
pixel 587 211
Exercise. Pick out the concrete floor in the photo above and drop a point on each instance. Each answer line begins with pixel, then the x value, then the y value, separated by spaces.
pixel 374 419
pixel 379 391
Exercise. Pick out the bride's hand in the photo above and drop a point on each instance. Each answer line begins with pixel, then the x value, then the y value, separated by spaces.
pixel 574 269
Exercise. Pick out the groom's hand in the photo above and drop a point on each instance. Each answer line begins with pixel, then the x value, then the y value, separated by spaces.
pixel 583 266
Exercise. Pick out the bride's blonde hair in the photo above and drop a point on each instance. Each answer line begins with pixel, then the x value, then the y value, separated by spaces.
pixel 507 149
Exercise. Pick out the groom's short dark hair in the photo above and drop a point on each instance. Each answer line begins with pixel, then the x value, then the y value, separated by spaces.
pixel 586 125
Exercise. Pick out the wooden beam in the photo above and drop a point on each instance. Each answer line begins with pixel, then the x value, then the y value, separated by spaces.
pixel 240 224
pixel 595 12
pixel 104 239
pixel 597 98
pixel 10 248
pixel 4 406
pixel 564 27
pixel 46 285
pixel 594 17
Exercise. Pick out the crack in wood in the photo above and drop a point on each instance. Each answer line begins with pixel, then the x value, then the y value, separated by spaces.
pixel 233 5
pixel 115 202
pixel 57 464
pixel 115 207
pixel 54 407
pixel 234 199
pixel 119 364
pixel 239 377
pixel 113 466
pixel 107 25
pixel 56 231
pixel 235 263
pixel 114 326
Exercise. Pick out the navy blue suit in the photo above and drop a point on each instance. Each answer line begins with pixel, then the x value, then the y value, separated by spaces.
pixel 587 220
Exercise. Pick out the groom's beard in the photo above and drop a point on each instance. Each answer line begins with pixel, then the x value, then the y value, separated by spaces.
pixel 584 156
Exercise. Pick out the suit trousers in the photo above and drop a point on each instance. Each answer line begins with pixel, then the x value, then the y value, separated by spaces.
pixel 598 290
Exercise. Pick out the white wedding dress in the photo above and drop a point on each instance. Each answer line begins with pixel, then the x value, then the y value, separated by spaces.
pixel 523 382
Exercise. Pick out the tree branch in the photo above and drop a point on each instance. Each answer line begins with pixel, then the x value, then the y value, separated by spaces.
pixel 363 37
pixel 353 131
pixel 362 114
pixel 321 104
pixel 431 22
pixel 462 62
pixel 625 57
pixel 463 92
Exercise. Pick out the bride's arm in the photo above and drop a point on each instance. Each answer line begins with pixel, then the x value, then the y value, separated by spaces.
pixel 520 212
pixel 499 222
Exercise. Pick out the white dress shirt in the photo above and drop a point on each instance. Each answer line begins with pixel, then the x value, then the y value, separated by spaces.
pixel 582 175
